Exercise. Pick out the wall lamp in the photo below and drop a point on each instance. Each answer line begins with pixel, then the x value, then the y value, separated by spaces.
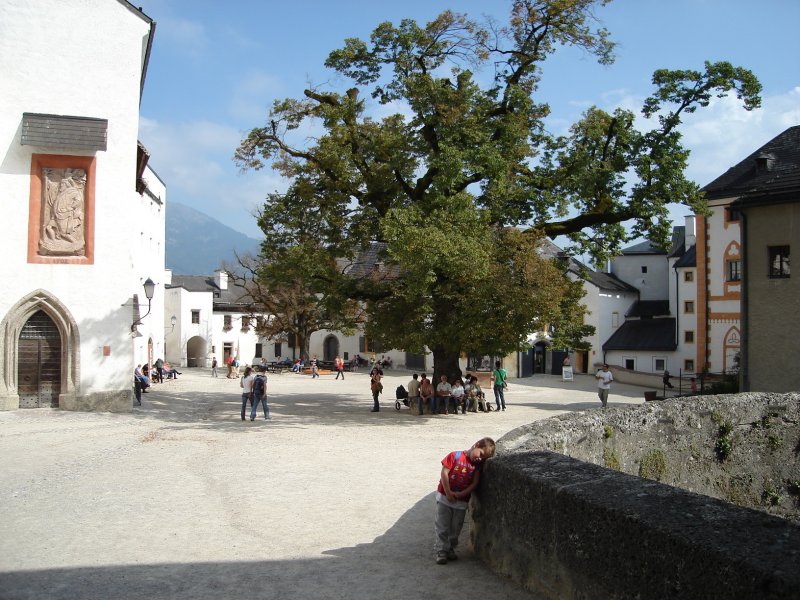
pixel 149 290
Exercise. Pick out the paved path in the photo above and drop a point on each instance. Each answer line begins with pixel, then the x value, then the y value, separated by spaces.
pixel 181 499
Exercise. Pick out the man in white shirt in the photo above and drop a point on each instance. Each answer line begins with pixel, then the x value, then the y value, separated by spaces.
pixel 604 379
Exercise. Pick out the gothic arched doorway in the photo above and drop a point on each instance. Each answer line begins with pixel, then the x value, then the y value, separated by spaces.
pixel 39 365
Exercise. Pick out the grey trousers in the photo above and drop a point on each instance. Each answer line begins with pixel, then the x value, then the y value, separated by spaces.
pixel 603 396
pixel 448 523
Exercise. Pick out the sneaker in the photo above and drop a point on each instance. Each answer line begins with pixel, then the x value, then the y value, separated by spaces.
pixel 451 555
pixel 441 558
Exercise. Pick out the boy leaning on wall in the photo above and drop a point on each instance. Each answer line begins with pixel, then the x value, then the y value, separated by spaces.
pixel 460 475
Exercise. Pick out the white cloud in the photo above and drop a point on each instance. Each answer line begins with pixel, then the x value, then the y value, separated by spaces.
pixel 187 37
pixel 722 134
pixel 251 98
pixel 195 161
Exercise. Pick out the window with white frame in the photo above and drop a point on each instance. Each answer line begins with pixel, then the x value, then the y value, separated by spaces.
pixel 659 364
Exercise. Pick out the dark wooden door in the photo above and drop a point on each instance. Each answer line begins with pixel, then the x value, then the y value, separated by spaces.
pixel 415 361
pixel 39 363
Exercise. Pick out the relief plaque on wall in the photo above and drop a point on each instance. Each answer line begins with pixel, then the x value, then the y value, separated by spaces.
pixel 63 210
pixel 61 217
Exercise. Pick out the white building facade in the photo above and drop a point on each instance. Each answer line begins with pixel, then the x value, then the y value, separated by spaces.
pixel 73 180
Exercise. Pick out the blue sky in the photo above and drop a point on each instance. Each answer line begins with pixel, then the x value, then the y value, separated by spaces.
pixel 216 68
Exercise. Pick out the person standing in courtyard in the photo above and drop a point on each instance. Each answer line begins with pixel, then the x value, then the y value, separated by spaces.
pixel 339 364
pixel 499 385
pixel 413 391
pixel 376 387
pixel 259 394
pixel 214 367
pixel 460 475
pixel 314 369
pixel 158 373
pixel 604 379
pixel 246 384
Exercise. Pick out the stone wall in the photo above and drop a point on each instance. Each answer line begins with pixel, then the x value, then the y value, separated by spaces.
pixel 567 528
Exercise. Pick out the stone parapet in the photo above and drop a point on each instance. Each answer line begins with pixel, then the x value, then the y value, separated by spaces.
pixel 565 528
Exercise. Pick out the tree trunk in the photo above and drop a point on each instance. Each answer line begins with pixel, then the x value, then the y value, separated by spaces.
pixel 445 362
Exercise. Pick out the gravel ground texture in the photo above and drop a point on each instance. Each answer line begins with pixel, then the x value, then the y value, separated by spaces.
pixel 181 499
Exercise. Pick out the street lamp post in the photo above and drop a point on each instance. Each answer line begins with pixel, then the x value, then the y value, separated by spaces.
pixel 149 290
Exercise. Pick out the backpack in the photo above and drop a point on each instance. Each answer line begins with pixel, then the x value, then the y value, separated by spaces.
pixel 259 387
pixel 401 392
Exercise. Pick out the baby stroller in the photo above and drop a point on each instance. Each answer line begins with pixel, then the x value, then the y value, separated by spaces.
pixel 401 395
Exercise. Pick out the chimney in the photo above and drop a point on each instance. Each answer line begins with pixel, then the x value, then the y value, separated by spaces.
pixel 221 279
pixel 167 276
pixel 691 231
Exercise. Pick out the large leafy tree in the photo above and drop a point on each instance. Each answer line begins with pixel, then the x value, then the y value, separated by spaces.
pixel 461 182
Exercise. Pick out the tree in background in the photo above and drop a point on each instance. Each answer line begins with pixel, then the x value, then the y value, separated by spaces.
pixel 461 182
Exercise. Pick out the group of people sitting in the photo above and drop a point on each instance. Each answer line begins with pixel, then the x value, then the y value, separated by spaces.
pixel 447 397
pixel 145 375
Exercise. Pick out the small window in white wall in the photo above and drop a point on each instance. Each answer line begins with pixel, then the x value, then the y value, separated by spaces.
pixel 644 268
pixel 688 276
pixel 615 319
pixel 659 364
pixel 630 363
pixel 195 316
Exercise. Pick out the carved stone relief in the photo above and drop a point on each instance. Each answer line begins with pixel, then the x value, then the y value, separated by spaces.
pixel 63 212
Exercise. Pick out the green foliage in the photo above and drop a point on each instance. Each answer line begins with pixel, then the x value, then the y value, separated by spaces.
pixel 770 495
pixel 611 459
pixel 724 443
pixel 653 465
pixel 608 432
pixel 460 186
pixel 775 442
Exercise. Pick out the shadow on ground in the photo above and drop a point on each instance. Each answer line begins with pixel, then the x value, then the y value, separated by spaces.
pixel 398 564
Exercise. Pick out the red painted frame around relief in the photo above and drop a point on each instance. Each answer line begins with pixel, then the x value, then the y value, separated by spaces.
pixel 60 161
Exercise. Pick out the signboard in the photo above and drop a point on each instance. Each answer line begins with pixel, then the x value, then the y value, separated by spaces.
pixel 566 373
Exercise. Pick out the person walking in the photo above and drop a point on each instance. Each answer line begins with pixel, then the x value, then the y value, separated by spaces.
pixel 376 387
pixel 246 383
pixel 314 369
pixel 499 385
pixel 604 379
pixel 339 363
pixel 259 394
pixel 214 367
pixel 666 380
pixel 460 475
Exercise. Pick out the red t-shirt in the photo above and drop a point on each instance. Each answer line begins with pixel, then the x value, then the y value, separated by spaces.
pixel 462 471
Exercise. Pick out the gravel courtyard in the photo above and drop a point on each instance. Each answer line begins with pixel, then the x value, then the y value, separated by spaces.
pixel 181 499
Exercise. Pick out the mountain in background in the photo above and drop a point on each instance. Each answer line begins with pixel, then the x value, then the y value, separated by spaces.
pixel 198 244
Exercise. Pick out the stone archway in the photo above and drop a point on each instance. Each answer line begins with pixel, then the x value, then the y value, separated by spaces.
pixel 68 355
pixel 196 352
pixel 330 348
